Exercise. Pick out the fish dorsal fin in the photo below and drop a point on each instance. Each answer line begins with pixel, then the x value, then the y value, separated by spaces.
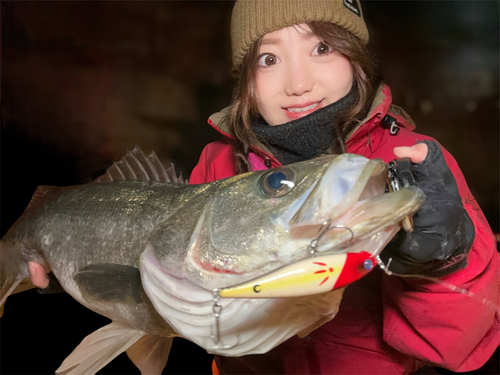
pixel 136 166
pixel 39 193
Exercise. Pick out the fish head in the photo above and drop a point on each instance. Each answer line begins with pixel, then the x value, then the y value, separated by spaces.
pixel 260 221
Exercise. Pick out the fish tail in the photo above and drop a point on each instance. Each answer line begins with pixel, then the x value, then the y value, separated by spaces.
pixel 9 284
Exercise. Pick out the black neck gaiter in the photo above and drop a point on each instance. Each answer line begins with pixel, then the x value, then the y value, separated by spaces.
pixel 305 138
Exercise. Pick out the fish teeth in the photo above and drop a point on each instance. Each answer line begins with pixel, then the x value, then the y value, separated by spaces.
pixel 303 109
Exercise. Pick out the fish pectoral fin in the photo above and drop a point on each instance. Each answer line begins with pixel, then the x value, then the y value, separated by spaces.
pixel 150 353
pixel 9 285
pixel 110 282
pixel 23 286
pixel 99 348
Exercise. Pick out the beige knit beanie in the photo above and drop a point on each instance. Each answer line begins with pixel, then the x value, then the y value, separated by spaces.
pixel 252 19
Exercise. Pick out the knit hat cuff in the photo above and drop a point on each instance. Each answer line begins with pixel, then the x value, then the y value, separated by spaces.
pixel 252 19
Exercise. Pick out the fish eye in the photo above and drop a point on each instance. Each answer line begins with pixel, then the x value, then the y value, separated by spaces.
pixel 277 182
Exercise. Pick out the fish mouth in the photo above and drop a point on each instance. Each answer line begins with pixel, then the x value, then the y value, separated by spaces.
pixel 220 267
pixel 350 210
pixel 348 180
pixel 367 226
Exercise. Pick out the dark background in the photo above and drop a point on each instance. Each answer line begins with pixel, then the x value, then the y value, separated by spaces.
pixel 82 82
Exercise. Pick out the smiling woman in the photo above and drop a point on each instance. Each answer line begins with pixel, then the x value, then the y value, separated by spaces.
pixel 297 74
pixel 277 82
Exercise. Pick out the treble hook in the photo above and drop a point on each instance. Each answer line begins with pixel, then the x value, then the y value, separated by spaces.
pixel 325 227
pixel 382 266
pixel 217 309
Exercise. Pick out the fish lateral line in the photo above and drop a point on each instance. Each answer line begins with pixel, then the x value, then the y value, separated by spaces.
pixel 309 276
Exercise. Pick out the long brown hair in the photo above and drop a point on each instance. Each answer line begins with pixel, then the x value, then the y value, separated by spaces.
pixel 367 77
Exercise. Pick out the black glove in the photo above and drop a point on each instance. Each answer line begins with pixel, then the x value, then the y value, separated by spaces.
pixel 443 231
pixel 53 287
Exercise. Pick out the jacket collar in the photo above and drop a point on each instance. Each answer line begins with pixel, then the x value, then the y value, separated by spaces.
pixel 378 110
pixel 219 121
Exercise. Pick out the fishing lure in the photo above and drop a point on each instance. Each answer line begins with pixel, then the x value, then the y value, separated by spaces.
pixel 309 276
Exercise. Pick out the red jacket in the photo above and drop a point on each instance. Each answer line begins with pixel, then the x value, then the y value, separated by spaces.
pixel 386 324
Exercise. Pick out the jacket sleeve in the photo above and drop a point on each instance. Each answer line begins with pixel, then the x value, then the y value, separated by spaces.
pixel 426 319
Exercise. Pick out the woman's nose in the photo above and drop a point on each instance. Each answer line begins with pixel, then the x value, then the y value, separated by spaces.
pixel 298 79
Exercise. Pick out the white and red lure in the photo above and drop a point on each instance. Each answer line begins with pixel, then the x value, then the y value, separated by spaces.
pixel 306 277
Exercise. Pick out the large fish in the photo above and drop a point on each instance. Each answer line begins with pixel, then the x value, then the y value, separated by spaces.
pixel 151 253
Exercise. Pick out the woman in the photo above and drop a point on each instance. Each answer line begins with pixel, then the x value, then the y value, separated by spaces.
pixel 307 86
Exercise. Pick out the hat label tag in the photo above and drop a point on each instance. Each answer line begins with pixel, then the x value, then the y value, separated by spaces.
pixel 353 6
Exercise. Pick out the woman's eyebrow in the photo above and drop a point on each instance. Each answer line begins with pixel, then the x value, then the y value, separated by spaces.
pixel 266 41
pixel 307 35
pixel 273 41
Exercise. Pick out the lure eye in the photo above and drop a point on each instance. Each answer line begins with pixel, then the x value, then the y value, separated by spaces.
pixel 277 183
pixel 368 264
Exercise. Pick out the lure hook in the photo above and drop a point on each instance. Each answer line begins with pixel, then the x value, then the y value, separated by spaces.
pixel 325 227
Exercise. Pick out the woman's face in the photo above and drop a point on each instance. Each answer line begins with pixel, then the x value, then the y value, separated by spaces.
pixel 298 74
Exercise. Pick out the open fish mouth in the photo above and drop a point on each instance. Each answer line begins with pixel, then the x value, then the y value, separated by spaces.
pixel 349 210
pixel 347 180
pixel 360 222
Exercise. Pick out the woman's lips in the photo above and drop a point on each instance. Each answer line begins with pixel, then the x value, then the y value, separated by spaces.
pixel 296 112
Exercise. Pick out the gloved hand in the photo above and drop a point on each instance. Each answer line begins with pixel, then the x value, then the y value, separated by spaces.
pixel 443 231
pixel 44 281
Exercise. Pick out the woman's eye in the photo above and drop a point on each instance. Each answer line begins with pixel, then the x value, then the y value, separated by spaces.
pixel 322 49
pixel 267 59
